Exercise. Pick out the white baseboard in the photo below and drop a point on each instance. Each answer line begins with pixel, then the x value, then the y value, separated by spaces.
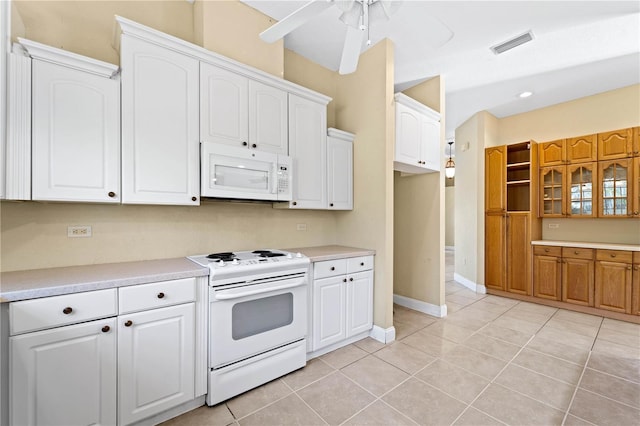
pixel 478 288
pixel 383 335
pixel 338 345
pixel 420 306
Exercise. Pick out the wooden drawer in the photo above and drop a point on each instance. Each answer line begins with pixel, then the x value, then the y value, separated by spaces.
pixel 357 264
pixel 55 311
pixel 547 251
pixel 329 268
pixel 614 256
pixel 636 257
pixel 577 253
pixel 156 295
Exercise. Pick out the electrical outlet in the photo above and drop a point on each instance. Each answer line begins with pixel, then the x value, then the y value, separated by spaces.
pixel 79 231
pixel 301 227
pixel 554 225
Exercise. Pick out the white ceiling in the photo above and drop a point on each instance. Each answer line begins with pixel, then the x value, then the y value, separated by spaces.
pixel 580 48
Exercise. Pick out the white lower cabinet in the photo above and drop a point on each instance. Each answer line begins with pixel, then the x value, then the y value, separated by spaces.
pixel 156 359
pixel 342 300
pixel 65 375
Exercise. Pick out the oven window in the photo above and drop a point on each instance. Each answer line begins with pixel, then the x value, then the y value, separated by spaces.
pixel 260 315
pixel 240 177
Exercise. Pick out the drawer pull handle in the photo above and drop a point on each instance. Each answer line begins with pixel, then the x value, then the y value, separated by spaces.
pixel 67 310
pixel 160 295
pixel 613 255
pixel 129 323
pixel 350 279
pixel 333 268
pixel 106 329
pixel 546 250
pixel 576 252
pixel 361 263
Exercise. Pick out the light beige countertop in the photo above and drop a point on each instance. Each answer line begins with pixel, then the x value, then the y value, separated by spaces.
pixel 321 253
pixel 605 246
pixel 32 284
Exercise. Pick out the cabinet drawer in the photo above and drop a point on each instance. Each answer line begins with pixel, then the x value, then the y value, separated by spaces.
pixel 329 268
pixel 636 257
pixel 577 253
pixel 614 256
pixel 547 251
pixel 156 295
pixel 357 264
pixel 49 312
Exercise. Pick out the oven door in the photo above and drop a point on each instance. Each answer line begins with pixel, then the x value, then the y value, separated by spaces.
pixel 247 320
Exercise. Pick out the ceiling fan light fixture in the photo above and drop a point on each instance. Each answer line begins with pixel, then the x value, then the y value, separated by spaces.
pixel 351 16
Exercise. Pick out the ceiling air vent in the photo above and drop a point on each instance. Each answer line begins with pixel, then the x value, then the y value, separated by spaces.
pixel 514 42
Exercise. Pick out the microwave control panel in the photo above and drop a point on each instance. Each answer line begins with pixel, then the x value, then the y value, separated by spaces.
pixel 283 179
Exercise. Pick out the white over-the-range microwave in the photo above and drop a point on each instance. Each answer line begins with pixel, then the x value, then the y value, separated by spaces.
pixel 245 174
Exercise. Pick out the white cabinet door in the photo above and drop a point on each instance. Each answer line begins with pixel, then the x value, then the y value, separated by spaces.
pixel 408 126
pixel 339 174
pixel 359 302
pixel 268 118
pixel 76 135
pixel 308 151
pixel 65 375
pixel 156 357
pixel 223 106
pixel 430 143
pixel 329 302
pixel 160 143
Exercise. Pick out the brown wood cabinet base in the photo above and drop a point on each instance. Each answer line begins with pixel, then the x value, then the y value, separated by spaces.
pixel 568 306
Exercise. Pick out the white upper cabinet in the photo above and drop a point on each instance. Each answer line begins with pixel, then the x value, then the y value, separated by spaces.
pixel 339 170
pixel 160 143
pixel 241 112
pixel 75 134
pixel 308 151
pixel 417 137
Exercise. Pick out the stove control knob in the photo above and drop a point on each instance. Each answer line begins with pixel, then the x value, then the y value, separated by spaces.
pixel 289 256
pixel 221 262
pixel 235 262
pixel 298 254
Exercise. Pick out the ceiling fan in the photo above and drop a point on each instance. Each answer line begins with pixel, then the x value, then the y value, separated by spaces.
pixel 357 14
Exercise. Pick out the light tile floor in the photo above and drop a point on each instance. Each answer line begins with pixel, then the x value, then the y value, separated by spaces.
pixel 491 361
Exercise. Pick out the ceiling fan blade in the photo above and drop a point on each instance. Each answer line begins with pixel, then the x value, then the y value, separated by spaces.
pixel 294 20
pixel 351 50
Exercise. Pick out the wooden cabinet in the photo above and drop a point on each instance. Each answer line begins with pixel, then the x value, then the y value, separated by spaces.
pixel 241 112
pixel 495 178
pixel 518 253
pixel 339 170
pixel 342 301
pixel 547 272
pixel 635 188
pixel 635 284
pixel 578 276
pixel 552 191
pixel 75 125
pixel 160 143
pixel 156 359
pixel 552 153
pixel 615 144
pixel 581 190
pixel 308 151
pixel 417 147
pixel 495 254
pixel 615 188
pixel 613 280
pixel 636 141
pixel 583 149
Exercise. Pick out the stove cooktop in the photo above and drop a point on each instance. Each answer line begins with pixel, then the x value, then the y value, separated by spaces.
pixel 245 258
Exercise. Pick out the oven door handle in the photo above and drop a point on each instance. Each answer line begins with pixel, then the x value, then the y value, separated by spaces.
pixel 232 294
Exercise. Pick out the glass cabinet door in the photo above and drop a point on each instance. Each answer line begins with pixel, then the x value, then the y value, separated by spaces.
pixel 581 190
pixel 615 197
pixel 552 191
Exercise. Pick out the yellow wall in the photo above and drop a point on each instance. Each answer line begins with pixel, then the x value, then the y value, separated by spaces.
pixel 449 216
pixel 419 218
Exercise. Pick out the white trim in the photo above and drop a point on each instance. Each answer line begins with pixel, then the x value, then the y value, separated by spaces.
pixel 126 26
pixel 383 335
pixel 5 47
pixel 340 134
pixel 202 335
pixel 413 104
pixel 173 412
pixel 337 345
pixel 68 59
pixel 420 306
pixel 478 288
pixel 450 248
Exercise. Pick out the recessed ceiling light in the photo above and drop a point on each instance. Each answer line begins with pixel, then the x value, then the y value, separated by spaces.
pixel 525 94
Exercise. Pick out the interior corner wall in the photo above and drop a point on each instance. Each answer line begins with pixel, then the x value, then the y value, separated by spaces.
pixel 419 217
pixel 449 214
pixel 364 106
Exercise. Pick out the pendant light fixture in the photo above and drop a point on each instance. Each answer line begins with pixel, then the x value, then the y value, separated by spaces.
pixel 450 167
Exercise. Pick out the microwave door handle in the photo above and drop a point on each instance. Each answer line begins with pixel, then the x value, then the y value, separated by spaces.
pixel 274 183
pixel 228 295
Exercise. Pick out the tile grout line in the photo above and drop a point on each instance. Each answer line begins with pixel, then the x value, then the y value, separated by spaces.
pixel 575 391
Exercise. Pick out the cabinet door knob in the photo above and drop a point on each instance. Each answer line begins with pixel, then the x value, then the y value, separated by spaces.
pixel 546 250
pixel 253 145
pixel 295 203
pixel 576 252
pixel 244 143
pixel 613 255
pixel 67 310
pixel 628 268
pixel 160 295
pixel 129 323
pixel 111 194
pixel 636 268
pixel 194 199
pixel 106 329
pixel 351 279
pixel 333 268
pixel 330 204
pixel 344 280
